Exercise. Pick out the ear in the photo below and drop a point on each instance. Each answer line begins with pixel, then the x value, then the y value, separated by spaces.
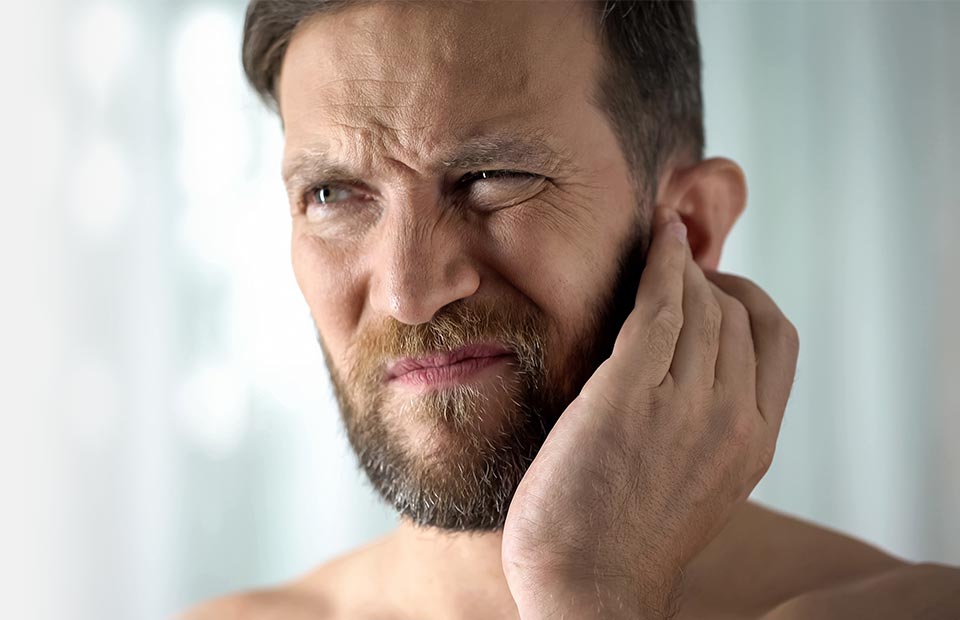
pixel 709 196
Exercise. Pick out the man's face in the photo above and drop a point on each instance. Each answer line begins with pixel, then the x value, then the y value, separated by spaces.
pixel 452 184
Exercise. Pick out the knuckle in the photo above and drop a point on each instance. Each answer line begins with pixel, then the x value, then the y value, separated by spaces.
pixel 738 312
pixel 734 282
pixel 745 282
pixel 662 332
pixel 744 286
pixel 790 335
pixel 661 342
pixel 668 317
pixel 712 320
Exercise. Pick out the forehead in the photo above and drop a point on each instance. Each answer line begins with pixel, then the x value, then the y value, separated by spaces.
pixel 411 80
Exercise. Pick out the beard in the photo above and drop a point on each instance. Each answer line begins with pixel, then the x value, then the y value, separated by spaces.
pixel 452 457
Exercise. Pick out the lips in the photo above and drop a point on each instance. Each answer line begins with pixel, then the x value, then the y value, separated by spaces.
pixel 405 365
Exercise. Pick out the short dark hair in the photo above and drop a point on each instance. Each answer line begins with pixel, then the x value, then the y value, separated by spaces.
pixel 649 87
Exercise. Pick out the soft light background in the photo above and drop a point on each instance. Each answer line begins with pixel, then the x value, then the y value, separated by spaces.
pixel 168 431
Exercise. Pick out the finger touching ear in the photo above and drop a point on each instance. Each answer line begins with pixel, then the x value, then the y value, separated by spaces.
pixel 709 196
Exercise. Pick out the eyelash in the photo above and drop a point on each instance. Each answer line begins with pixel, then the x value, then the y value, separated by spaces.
pixel 470 177
pixel 462 182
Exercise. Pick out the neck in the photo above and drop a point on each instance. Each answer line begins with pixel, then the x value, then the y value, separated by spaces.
pixel 453 574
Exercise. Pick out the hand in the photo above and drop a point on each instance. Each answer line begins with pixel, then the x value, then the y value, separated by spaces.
pixel 645 466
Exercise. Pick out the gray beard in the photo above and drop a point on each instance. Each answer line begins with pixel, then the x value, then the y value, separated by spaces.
pixel 467 484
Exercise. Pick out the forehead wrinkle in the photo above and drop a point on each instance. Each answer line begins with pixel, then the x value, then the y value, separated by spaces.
pixel 411 98
pixel 400 59
pixel 393 117
pixel 345 151
pixel 530 149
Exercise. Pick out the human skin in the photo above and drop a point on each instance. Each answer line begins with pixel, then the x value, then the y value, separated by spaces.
pixel 392 90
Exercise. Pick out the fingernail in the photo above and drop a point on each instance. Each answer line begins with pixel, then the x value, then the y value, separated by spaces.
pixel 679 229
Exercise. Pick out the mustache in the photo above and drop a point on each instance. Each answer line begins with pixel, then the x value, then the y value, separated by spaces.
pixel 520 327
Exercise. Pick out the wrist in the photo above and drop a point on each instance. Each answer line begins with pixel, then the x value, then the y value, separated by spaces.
pixel 589 599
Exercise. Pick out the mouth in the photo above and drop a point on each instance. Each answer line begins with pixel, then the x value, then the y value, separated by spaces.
pixel 446 367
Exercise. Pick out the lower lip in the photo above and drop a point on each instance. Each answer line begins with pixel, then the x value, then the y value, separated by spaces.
pixel 451 373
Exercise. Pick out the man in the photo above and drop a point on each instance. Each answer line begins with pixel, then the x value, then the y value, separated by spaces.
pixel 506 234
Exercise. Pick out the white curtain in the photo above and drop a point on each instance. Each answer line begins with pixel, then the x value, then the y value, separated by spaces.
pixel 169 433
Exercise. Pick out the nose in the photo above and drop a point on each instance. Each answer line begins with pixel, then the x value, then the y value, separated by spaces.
pixel 420 266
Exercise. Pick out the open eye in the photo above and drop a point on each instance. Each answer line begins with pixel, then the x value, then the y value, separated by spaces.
pixel 330 194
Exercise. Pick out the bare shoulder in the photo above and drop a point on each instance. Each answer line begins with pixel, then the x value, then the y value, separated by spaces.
pixel 331 591
pixel 927 590
pixel 805 544
pixel 287 603
pixel 763 558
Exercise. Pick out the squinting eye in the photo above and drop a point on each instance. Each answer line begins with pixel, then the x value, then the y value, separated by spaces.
pixel 493 190
pixel 506 175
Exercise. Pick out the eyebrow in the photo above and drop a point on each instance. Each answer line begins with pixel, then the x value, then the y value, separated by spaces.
pixel 530 151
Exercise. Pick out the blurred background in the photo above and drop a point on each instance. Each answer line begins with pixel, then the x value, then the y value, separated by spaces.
pixel 168 430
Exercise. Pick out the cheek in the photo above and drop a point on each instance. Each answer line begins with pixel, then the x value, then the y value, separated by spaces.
pixel 559 256
pixel 324 276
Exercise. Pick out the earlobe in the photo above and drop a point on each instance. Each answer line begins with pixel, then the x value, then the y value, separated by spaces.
pixel 709 196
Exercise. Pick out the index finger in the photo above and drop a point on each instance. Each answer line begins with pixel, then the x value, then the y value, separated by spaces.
pixel 648 338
